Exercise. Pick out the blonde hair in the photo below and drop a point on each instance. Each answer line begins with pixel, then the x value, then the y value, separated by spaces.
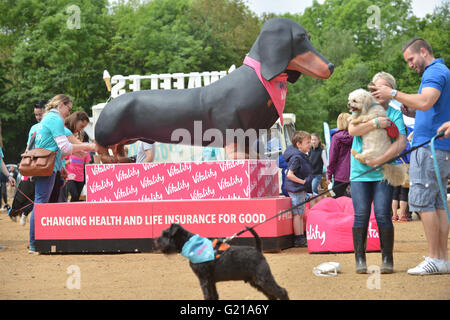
pixel 343 120
pixel 389 78
pixel 56 100
pixel 299 136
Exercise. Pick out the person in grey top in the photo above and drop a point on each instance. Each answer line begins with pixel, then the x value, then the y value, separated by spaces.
pixel 145 152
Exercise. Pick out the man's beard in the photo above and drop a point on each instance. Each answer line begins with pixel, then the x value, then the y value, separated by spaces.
pixel 421 68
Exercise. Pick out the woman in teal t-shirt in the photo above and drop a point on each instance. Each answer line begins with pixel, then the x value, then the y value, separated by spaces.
pixel 51 135
pixel 371 188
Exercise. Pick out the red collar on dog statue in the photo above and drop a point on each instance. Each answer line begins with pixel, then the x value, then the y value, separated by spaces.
pixel 276 87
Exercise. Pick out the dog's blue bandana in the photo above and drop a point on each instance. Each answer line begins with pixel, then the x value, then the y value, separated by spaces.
pixel 198 249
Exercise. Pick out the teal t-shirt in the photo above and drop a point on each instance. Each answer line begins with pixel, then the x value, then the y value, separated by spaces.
pixel 51 126
pixel 356 167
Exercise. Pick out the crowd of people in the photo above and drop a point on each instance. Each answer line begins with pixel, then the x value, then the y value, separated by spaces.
pixel 431 109
pixel 308 166
pixel 56 130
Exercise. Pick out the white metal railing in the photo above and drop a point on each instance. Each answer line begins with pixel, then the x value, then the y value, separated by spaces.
pixel 165 81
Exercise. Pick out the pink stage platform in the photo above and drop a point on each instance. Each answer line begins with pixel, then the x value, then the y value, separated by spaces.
pixel 131 226
pixel 130 204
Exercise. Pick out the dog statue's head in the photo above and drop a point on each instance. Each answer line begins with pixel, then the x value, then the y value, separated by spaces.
pixel 172 239
pixel 284 46
pixel 360 100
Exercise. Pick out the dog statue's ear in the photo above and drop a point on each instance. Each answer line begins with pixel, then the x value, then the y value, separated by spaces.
pixel 274 48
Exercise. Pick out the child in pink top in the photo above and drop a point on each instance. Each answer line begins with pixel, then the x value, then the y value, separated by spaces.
pixel 75 174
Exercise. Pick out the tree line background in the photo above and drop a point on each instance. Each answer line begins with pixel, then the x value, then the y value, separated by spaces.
pixel 42 54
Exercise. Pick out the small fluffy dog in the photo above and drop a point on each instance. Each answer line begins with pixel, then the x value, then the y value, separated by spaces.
pixel 235 263
pixel 375 143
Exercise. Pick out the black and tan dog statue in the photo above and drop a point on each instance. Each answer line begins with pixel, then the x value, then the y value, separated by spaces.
pixel 238 101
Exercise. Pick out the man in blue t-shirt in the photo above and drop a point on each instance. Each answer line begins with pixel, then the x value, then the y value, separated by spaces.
pixel 431 106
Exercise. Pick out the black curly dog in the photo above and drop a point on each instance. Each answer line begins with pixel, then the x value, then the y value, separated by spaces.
pixel 236 101
pixel 236 263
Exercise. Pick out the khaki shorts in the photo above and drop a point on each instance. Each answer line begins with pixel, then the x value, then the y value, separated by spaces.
pixel 424 192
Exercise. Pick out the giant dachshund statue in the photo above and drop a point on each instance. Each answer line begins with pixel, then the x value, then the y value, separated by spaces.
pixel 239 100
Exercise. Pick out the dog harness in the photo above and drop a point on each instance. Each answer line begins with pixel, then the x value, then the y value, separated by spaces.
pixel 219 247
pixel 277 87
pixel 198 249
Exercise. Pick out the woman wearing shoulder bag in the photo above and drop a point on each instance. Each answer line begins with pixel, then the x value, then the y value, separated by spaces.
pixel 50 135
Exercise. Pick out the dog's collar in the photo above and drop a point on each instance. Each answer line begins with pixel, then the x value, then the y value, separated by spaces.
pixel 359 112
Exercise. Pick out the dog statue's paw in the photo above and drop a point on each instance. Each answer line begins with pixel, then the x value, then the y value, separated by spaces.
pixel 104 158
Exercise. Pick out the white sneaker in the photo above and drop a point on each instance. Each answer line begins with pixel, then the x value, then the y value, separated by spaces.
pixel 447 264
pixel 32 251
pixel 429 266
pixel 23 219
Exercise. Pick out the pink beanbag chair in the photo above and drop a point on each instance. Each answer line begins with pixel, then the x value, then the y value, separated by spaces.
pixel 329 227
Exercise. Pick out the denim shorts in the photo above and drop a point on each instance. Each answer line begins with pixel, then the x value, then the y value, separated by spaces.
pixel 424 192
pixel 297 198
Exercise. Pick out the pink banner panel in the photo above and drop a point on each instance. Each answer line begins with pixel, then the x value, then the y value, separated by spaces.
pixel 231 179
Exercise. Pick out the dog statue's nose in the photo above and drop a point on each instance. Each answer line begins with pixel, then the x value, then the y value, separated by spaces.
pixel 331 67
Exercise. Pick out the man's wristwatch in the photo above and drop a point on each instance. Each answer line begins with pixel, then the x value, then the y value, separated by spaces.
pixel 393 93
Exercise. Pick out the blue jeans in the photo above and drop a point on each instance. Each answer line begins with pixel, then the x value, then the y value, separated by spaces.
pixel 315 183
pixel 366 192
pixel 43 187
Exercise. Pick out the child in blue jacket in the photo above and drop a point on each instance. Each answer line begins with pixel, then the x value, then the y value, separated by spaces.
pixel 298 180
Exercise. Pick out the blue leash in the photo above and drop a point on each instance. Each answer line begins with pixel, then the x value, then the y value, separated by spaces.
pixel 438 174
